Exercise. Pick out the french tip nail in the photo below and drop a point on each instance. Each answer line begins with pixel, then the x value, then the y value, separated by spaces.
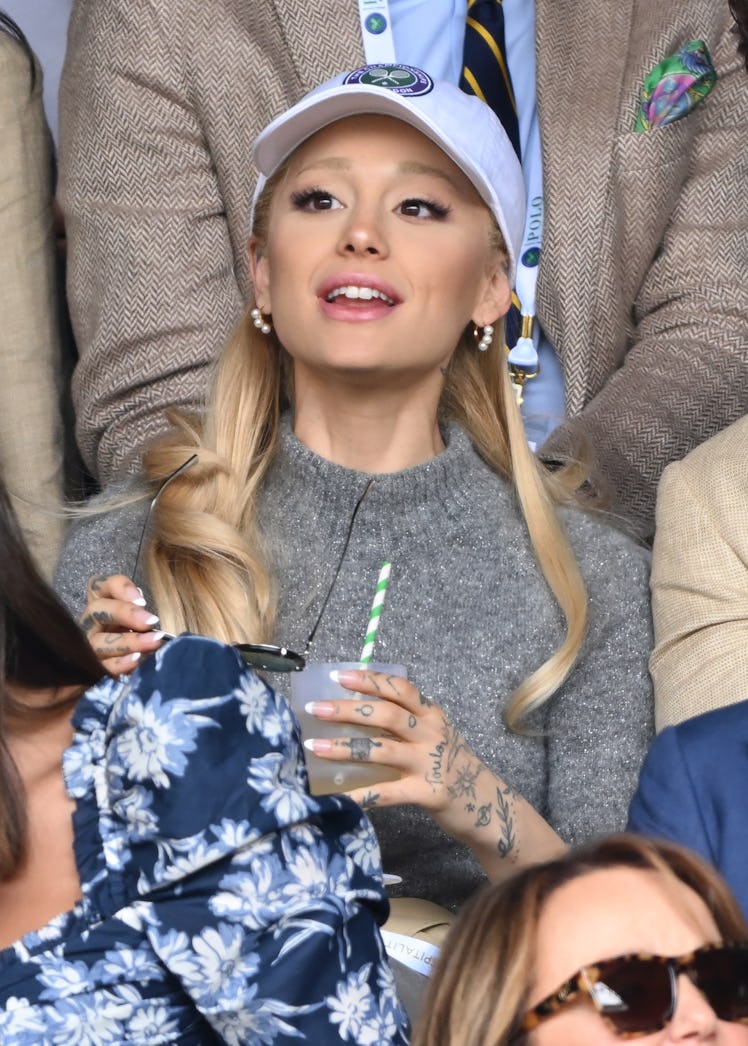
pixel 136 656
pixel 140 602
pixel 158 635
pixel 309 744
pixel 152 620
pixel 309 707
pixel 335 675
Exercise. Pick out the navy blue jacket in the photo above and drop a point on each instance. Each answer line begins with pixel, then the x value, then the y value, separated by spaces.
pixel 693 790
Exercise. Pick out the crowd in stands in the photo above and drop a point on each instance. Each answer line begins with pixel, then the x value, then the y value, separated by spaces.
pixel 450 306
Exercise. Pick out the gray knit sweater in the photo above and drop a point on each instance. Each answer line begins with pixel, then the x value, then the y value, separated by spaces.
pixel 468 612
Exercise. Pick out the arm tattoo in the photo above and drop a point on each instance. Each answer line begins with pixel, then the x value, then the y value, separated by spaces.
pixel 369 801
pixel 361 748
pixel 483 816
pixel 465 780
pixel 507 838
pixel 97 617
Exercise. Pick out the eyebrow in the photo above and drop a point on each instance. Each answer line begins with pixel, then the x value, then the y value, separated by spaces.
pixel 342 163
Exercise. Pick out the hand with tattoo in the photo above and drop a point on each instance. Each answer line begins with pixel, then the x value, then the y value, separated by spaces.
pixel 117 623
pixel 438 770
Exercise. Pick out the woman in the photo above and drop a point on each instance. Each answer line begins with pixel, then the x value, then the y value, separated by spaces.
pixel 624 939
pixel 31 426
pixel 362 413
pixel 164 875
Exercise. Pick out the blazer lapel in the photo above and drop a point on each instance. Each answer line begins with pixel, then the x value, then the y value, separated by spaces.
pixel 581 51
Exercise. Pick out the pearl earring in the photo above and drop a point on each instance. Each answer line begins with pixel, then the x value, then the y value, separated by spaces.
pixel 260 322
pixel 486 337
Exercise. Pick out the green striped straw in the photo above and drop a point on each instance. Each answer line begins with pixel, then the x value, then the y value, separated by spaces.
pixel 376 613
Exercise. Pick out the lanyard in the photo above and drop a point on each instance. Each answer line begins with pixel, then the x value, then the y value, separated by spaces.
pixel 376 31
pixel 523 358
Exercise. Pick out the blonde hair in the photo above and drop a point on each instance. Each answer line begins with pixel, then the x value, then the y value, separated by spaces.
pixel 207 568
pixel 479 992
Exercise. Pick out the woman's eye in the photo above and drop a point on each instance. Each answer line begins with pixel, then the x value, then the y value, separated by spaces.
pixel 418 208
pixel 315 200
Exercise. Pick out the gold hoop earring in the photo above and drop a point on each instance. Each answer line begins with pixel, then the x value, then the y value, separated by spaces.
pixel 263 325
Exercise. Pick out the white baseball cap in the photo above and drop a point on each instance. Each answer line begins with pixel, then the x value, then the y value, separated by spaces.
pixel 463 127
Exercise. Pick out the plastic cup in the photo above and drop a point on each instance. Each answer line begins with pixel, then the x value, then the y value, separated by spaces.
pixel 314 684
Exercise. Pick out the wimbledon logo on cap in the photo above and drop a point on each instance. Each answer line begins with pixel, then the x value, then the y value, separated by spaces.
pixel 402 79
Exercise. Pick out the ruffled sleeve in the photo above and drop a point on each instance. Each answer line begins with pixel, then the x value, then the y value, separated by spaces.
pixel 261 901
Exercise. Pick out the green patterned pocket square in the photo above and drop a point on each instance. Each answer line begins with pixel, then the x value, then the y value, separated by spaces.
pixel 676 86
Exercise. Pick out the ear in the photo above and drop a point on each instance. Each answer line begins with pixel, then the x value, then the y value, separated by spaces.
pixel 495 299
pixel 260 269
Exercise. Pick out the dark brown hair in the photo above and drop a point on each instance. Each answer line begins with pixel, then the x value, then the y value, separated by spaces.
pixel 41 647
pixel 479 991
pixel 739 10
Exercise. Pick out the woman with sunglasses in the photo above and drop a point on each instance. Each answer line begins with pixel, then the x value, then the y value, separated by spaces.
pixel 164 875
pixel 623 939
pixel 363 412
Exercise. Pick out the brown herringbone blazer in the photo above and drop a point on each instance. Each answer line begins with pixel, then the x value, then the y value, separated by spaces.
pixel 642 283
pixel 700 580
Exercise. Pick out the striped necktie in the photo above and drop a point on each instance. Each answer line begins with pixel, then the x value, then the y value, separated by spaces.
pixel 485 71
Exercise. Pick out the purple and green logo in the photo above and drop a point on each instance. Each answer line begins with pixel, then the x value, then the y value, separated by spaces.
pixel 375 24
pixel 403 79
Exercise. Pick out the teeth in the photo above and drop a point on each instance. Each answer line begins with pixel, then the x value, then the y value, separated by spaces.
pixel 354 293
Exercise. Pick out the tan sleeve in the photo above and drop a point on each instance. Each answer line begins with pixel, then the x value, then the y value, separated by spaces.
pixel 31 443
pixel 152 282
pixel 700 580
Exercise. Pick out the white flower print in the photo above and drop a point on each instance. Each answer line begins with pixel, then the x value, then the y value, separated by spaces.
pixel 60 977
pixel 257 705
pixel 153 1023
pixel 353 1007
pixel 19 1023
pixel 282 798
pixel 218 966
pixel 159 736
pixel 363 848
pixel 134 807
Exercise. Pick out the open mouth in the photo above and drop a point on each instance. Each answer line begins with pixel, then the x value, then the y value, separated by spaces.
pixel 357 293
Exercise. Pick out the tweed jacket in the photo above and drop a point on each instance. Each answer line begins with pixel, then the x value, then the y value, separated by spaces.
pixel 641 283
pixel 700 580
pixel 31 442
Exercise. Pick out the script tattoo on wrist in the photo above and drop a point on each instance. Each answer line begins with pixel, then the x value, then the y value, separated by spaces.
pixel 507 838
pixel 361 748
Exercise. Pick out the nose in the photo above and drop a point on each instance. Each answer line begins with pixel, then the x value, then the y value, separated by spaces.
pixel 363 234
pixel 694 1020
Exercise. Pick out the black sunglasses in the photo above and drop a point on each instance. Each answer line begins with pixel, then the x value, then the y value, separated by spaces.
pixel 261 656
pixel 637 994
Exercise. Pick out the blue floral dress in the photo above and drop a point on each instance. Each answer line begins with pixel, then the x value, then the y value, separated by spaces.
pixel 220 902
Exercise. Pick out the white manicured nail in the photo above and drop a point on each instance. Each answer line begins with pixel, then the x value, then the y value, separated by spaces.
pixel 335 675
pixel 136 656
pixel 140 602
pixel 152 620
